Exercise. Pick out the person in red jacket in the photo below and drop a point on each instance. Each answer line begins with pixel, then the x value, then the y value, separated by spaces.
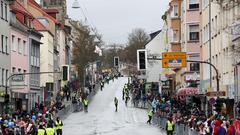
pixel 231 128
pixel 218 129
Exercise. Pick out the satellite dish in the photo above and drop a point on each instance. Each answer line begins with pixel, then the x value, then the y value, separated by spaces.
pixel 76 4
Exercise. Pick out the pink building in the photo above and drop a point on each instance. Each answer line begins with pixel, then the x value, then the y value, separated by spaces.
pixel 190 43
pixel 19 56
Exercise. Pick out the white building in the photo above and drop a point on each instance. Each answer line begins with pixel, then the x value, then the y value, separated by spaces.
pixel 154 49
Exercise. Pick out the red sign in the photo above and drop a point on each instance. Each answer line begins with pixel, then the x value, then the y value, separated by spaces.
pixel 236 123
pixel 216 93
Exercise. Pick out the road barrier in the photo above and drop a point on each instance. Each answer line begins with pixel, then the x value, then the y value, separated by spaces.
pixel 70 108
pixel 179 129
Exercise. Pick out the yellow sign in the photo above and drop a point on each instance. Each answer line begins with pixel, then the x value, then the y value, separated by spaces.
pixel 174 59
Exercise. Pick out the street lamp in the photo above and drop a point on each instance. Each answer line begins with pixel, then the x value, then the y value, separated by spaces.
pixel 76 4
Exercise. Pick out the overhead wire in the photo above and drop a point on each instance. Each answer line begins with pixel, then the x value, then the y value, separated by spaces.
pixel 87 18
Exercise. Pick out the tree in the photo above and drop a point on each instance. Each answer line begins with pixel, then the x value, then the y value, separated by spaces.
pixel 84 47
pixel 137 39
pixel 112 51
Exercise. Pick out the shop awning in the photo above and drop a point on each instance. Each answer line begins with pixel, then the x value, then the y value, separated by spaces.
pixel 187 91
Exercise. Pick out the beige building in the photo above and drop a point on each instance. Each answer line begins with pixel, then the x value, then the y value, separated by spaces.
pixel 218 49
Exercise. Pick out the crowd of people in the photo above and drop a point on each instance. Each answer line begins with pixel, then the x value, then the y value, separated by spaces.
pixel 39 122
pixel 188 114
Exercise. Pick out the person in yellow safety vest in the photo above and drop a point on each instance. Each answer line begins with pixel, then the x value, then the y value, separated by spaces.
pixel 116 104
pixel 85 102
pixel 41 130
pixel 170 126
pixel 50 130
pixel 58 126
pixel 150 115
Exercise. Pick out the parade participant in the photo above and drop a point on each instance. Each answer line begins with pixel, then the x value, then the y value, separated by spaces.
pixel 218 129
pixel 50 130
pixel 150 115
pixel 85 102
pixel 170 126
pixel 41 130
pixel 116 103
pixel 58 125
pixel 102 85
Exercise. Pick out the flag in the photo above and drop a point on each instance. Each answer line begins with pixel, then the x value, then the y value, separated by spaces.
pixel 98 50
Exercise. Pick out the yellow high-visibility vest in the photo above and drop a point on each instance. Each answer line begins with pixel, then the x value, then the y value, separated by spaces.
pixel 169 126
pixel 41 132
pixel 150 113
pixel 58 124
pixel 85 102
pixel 50 131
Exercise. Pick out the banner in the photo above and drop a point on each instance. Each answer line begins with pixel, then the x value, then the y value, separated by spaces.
pixel 236 123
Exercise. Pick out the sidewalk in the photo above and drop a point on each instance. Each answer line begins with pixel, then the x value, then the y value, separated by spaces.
pixel 70 108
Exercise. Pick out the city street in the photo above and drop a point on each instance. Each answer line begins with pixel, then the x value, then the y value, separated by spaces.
pixel 102 118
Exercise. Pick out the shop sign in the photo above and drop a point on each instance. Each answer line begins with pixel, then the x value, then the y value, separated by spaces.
pixel 216 93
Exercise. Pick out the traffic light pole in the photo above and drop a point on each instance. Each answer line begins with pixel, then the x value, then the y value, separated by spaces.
pixel 204 62
pixel 8 78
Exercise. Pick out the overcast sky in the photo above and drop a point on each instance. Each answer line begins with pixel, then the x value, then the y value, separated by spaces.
pixel 115 19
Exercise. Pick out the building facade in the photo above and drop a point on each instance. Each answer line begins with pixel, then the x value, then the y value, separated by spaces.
pixel 190 41
pixel 36 93
pixel 19 59
pixel 5 64
pixel 154 48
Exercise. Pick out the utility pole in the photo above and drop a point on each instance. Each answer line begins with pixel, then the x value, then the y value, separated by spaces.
pixel 210 41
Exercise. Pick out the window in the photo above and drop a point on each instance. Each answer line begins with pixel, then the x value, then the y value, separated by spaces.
pixel 6 44
pixel 175 36
pixel 13 70
pixel 193 4
pixel 24 48
pixel 2 43
pixel 193 32
pixel 6 12
pixel 19 45
pixel 13 43
pixel 194 66
pixel 0 77
pixel 2 9
pixel 6 74
pixel 3 77
pixel 19 70
pixel 44 21
pixel 175 11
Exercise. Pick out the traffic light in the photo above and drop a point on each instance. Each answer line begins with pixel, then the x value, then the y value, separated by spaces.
pixel 142 59
pixel 65 73
pixel 6 98
pixel 116 61
pixel 218 105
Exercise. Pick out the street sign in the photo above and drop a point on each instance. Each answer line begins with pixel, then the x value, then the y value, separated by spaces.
pixel 216 93
pixel 174 59
pixel 174 55
pixel 18 78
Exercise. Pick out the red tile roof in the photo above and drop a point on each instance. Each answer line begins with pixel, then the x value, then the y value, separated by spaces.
pixel 36 6
pixel 38 25
pixel 51 10
pixel 19 8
